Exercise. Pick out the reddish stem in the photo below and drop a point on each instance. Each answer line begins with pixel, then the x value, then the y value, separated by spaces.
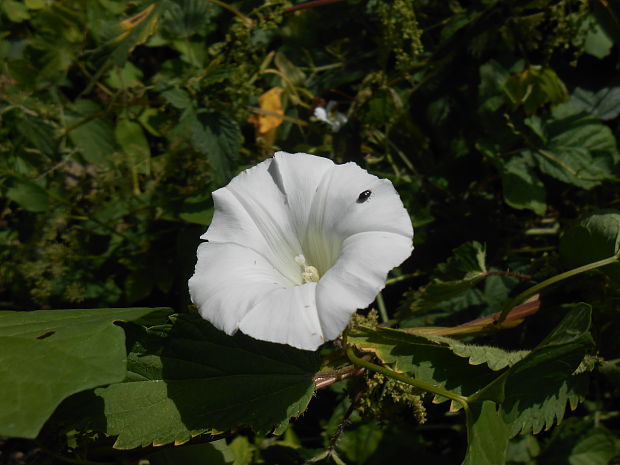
pixel 311 4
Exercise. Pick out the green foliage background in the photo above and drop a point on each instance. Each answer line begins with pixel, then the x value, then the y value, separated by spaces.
pixel 497 121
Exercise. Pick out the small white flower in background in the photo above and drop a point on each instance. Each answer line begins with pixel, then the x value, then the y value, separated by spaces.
pixel 334 118
pixel 297 244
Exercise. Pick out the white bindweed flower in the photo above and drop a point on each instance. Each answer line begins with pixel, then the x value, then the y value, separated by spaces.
pixel 327 115
pixel 297 244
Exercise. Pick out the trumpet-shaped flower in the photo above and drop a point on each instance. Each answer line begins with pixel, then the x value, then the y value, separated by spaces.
pixel 297 244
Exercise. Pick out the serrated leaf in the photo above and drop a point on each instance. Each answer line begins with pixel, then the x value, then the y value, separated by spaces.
pixel 522 188
pixel 495 358
pixel 575 148
pixel 187 378
pixel 47 355
pixel 178 98
pixel 212 453
pixel 186 18
pixel 219 138
pixel 593 238
pixel 487 435
pixel 551 364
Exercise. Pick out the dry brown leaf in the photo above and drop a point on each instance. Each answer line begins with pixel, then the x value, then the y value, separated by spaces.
pixel 272 111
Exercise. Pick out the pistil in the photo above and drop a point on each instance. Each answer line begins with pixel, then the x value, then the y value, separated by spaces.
pixel 309 274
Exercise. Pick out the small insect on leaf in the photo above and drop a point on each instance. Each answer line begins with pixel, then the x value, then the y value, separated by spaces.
pixel 364 196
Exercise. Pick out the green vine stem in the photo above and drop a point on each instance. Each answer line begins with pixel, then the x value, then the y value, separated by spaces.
pixel 464 401
pixel 554 279
pixel 382 310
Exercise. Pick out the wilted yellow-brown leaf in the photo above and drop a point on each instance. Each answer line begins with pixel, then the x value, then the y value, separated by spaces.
pixel 130 24
pixel 272 111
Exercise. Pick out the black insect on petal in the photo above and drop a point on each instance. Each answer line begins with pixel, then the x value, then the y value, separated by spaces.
pixel 364 196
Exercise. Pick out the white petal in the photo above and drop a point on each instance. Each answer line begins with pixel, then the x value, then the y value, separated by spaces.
pixel 321 114
pixel 337 214
pixel 228 281
pixel 288 316
pixel 358 276
pixel 338 120
pixel 251 211
pixel 299 176
pixel 336 205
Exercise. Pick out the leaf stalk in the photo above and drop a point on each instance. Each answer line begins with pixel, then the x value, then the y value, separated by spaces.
pixel 464 401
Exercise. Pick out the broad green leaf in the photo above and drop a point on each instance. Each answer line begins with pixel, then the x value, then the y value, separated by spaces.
pixel 212 453
pixel 293 74
pixel 216 72
pixel 359 442
pixel 494 357
pixel 438 291
pixel 523 450
pixel 534 87
pixel 29 195
pixel 125 77
pixel 593 238
pixel 604 104
pixel 183 19
pixel 17 12
pixel 91 132
pixel 242 450
pixel 132 140
pixel 218 137
pixel 38 134
pixel 197 209
pixel 35 4
pixel 422 359
pixel 522 188
pixel 575 148
pixel 578 441
pixel 187 378
pixel 487 436
pixel 461 272
pixel 467 260
pixel 139 284
pixel 527 408
pixel 134 31
pixel 598 43
pixel 611 370
pixel 47 355
pixel 178 98
pixel 492 79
